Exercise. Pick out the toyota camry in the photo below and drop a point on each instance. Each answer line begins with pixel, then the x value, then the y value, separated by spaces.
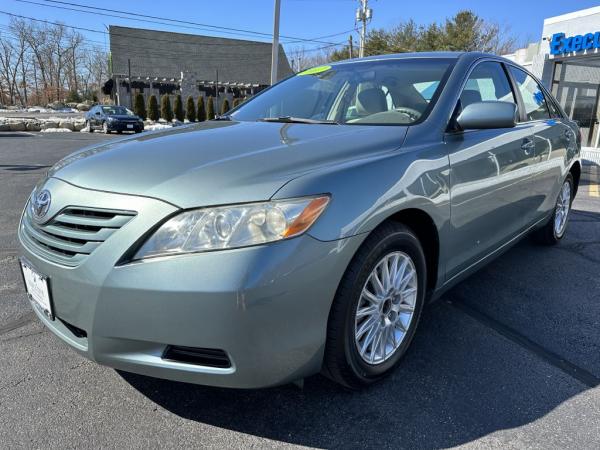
pixel 304 231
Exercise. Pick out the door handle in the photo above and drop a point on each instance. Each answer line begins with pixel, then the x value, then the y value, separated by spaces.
pixel 528 146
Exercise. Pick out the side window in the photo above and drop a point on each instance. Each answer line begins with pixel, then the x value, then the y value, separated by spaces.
pixel 536 107
pixel 554 111
pixel 426 89
pixel 487 81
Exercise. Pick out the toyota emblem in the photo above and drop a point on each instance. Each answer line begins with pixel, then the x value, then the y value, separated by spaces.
pixel 41 204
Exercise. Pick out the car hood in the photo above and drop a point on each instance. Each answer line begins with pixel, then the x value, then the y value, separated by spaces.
pixel 222 161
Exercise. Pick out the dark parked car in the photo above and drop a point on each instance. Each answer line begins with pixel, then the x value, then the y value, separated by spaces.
pixel 112 118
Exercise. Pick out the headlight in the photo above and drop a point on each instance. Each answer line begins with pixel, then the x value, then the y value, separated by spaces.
pixel 233 226
pixel 110 119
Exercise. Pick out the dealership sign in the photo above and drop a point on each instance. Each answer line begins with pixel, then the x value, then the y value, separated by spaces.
pixel 562 44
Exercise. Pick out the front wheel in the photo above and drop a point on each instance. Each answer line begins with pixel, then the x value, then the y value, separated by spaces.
pixel 377 307
pixel 105 128
pixel 555 229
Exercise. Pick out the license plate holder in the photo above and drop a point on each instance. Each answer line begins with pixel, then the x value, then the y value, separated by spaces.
pixel 37 287
pixel 130 126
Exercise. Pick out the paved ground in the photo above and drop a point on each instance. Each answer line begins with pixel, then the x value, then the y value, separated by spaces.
pixel 510 358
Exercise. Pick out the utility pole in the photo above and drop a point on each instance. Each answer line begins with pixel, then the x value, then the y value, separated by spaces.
pixel 350 47
pixel 363 14
pixel 275 49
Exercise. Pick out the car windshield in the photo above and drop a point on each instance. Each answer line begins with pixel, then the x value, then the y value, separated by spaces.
pixel 384 92
pixel 116 111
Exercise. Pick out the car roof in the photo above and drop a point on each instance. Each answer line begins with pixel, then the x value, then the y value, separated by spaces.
pixel 425 55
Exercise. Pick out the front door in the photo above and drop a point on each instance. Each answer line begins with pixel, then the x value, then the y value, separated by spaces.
pixel 490 175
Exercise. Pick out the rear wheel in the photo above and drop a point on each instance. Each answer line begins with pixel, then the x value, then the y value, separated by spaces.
pixel 88 126
pixel 555 229
pixel 377 307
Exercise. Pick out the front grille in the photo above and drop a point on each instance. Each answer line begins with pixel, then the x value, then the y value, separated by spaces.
pixel 209 357
pixel 74 233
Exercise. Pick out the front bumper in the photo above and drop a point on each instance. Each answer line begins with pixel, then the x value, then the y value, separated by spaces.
pixel 265 306
pixel 122 126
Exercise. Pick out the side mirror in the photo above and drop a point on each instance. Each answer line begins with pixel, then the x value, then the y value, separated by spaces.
pixel 488 114
pixel 98 113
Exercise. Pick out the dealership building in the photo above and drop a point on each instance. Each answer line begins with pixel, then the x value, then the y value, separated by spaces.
pixel 567 60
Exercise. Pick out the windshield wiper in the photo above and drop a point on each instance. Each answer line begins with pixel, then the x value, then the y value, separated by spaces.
pixel 290 119
pixel 223 117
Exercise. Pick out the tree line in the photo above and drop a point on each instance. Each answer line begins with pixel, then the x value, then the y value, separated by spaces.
pixel 465 31
pixel 193 112
pixel 42 63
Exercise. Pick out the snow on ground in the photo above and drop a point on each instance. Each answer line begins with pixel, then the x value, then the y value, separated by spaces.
pixel 56 130
pixel 55 124
pixel 157 126
pixel 39 109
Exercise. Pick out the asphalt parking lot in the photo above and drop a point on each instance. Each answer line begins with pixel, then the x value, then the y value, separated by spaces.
pixel 509 358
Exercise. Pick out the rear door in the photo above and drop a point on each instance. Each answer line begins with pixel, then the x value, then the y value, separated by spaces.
pixel 490 174
pixel 97 116
pixel 91 116
pixel 552 136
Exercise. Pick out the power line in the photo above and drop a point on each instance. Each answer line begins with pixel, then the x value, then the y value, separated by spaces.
pixel 166 54
pixel 139 38
pixel 221 57
pixel 162 20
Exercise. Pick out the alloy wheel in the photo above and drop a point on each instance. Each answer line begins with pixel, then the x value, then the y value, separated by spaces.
pixel 563 205
pixel 386 308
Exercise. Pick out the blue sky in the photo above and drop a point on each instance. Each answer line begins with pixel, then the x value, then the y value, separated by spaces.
pixel 300 18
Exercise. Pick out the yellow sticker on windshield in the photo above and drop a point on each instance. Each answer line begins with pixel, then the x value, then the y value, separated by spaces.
pixel 315 70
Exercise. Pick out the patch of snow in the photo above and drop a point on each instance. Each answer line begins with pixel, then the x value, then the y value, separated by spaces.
pixel 56 130
pixel 157 126
pixel 39 109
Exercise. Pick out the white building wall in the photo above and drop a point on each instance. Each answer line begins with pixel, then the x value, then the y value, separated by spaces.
pixel 571 24
pixel 536 55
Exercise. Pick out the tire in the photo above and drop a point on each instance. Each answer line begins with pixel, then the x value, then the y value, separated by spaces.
pixel 105 129
pixel 88 126
pixel 344 363
pixel 554 230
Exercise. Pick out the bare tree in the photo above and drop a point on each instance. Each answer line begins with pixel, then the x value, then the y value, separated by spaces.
pixel 44 62
pixel 11 55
